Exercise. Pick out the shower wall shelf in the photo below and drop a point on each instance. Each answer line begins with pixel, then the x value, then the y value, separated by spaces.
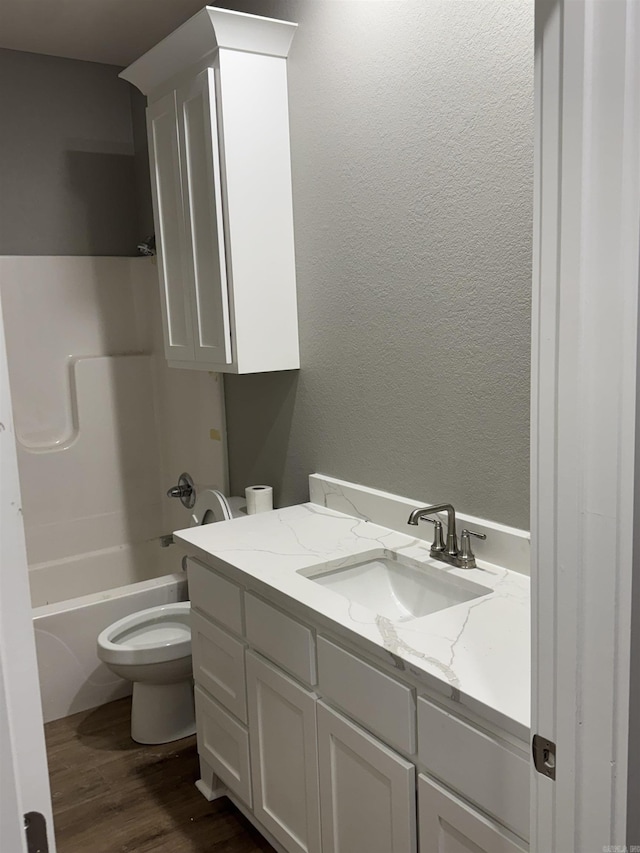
pixel 218 129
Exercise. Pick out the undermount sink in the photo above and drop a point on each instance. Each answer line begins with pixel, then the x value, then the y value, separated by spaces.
pixel 395 587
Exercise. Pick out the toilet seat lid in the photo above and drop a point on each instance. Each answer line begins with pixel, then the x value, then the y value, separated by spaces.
pixel 211 506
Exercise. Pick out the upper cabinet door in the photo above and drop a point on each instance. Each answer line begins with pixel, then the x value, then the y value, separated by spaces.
pixel 203 217
pixel 166 185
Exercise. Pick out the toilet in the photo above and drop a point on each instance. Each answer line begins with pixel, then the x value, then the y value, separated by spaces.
pixel 152 648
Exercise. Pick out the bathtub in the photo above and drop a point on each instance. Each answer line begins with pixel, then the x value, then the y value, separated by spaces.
pixel 74 599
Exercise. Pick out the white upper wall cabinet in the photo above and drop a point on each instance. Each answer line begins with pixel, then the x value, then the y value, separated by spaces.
pixel 218 127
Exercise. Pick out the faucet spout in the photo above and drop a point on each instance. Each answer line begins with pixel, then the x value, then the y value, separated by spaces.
pixel 452 538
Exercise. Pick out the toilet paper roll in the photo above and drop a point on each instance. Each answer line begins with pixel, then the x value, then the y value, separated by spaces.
pixel 259 499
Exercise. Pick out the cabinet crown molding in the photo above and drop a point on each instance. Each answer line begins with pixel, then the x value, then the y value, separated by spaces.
pixel 200 37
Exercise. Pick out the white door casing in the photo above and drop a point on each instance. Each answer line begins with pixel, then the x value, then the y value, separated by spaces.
pixel 24 781
pixel 584 358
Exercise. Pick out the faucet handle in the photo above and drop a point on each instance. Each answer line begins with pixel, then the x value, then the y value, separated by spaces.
pixel 438 539
pixel 467 557
pixel 473 533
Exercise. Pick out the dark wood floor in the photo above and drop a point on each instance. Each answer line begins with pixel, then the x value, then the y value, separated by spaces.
pixel 111 795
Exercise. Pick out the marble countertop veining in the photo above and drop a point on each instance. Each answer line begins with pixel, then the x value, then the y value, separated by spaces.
pixel 476 653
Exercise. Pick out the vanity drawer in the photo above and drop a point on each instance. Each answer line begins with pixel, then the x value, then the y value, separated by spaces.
pixel 218 664
pixel 215 596
pixel 280 638
pixel 490 773
pixel 378 701
pixel 450 824
pixel 224 744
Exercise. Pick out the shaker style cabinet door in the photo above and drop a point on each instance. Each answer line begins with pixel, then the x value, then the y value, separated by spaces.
pixel 166 186
pixel 203 219
pixel 449 825
pixel 367 791
pixel 284 756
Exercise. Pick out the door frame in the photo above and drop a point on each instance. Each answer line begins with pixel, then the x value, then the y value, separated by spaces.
pixel 24 778
pixel 583 419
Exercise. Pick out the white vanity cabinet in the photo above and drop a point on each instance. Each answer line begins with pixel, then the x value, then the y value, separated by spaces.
pixel 326 751
pixel 218 132
pixel 223 745
pixel 485 768
pixel 284 756
pixel 367 791
pixel 450 825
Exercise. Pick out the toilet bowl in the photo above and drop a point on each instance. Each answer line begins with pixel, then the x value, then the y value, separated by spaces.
pixel 152 648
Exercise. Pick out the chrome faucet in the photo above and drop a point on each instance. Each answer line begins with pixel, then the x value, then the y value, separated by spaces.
pixel 461 558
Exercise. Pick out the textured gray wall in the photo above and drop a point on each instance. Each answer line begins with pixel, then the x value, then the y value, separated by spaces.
pixel 67 166
pixel 141 152
pixel 412 147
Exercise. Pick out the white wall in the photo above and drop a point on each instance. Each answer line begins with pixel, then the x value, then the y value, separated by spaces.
pixel 103 426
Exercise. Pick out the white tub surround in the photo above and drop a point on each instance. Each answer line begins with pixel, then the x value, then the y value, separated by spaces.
pixel 476 653
pixel 82 381
pixel 99 572
pixel 101 436
pixel 99 417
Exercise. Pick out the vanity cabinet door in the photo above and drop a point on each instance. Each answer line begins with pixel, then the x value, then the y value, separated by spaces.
pixel 367 791
pixel 449 825
pixel 284 756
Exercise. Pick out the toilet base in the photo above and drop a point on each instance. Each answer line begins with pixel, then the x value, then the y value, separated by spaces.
pixel 161 713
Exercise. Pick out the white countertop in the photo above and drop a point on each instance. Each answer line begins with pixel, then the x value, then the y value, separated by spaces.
pixel 476 653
